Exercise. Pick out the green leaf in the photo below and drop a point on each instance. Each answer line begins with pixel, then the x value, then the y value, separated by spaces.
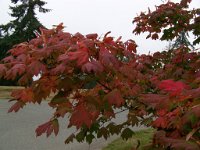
pixel 193 118
pixel 114 129
pixel 147 121
pixel 107 106
pixel 101 94
pixel 132 118
pixel 59 98
pixel 66 83
pixel 127 133
pixel 80 136
pixel 89 138
pixel 103 132
pixel 70 139
pixel 95 127
pixel 55 126
pixel 92 100
pixel 90 85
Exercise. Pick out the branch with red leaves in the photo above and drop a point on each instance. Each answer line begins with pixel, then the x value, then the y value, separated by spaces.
pixel 93 79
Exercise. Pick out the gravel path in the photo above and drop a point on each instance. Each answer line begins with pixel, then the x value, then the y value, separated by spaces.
pixel 17 131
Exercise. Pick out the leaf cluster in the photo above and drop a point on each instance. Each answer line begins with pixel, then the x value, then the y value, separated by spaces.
pixel 95 79
pixel 168 20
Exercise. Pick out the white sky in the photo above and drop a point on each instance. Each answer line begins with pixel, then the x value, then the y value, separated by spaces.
pixel 97 16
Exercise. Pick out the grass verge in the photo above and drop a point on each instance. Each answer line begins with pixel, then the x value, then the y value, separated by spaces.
pixel 5 91
pixel 144 136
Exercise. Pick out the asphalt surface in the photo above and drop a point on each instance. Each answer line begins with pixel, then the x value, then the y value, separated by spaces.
pixel 17 130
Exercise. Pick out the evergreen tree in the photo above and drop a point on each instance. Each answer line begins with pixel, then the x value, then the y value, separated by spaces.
pixel 182 40
pixel 23 27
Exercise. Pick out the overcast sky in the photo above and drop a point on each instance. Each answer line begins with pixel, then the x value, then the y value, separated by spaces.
pixel 97 16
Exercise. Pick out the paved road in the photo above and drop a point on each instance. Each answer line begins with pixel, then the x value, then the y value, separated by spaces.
pixel 17 131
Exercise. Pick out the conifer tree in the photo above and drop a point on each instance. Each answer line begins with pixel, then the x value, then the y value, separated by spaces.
pixel 182 40
pixel 23 27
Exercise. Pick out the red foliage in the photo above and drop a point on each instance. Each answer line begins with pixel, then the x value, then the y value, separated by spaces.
pixel 16 106
pixel 83 116
pixel 48 127
pixel 93 79
pixel 2 70
pixel 169 19
pixel 174 88
pixel 24 95
pixel 115 98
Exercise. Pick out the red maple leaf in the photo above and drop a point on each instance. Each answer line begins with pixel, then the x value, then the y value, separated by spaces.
pixel 155 36
pixel 16 106
pixel 48 127
pixel 92 36
pixel 62 108
pixel 24 95
pixel 93 66
pixel 3 70
pixel 17 69
pixel 43 87
pixel 60 27
pixel 156 101
pixel 25 79
pixel 131 46
pixel 80 55
pixel 81 116
pixel 19 49
pixel 160 122
pixel 115 98
pixel 36 67
pixel 107 58
pixel 8 59
pixel 174 88
pixel 108 40
pixel 43 128
pixel 59 69
pixel 63 58
pixel 109 114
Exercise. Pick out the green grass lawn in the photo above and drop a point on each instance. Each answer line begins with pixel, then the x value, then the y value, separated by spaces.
pixel 144 136
pixel 5 91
